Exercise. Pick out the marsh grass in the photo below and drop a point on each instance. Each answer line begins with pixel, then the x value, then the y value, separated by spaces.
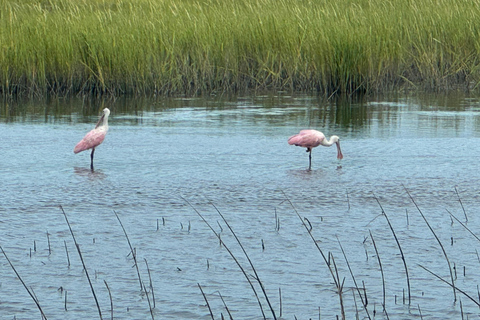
pixel 210 46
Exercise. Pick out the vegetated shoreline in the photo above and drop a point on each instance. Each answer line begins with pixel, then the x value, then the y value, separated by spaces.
pixel 148 47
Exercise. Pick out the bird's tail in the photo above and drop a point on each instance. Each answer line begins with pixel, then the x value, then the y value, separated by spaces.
pixel 294 139
pixel 81 146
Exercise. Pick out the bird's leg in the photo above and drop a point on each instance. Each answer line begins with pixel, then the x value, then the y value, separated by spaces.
pixel 91 159
pixel 309 158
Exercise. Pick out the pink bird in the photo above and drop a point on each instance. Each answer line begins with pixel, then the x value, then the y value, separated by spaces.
pixel 312 138
pixel 94 137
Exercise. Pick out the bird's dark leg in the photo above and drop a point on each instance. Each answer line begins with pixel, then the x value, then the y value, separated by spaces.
pixel 91 159
pixel 309 158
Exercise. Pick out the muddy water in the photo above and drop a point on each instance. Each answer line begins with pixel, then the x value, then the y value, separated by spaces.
pixel 232 154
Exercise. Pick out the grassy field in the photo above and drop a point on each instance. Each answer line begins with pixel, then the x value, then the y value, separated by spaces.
pixel 215 46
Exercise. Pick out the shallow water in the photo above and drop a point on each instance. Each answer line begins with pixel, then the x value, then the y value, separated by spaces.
pixel 232 154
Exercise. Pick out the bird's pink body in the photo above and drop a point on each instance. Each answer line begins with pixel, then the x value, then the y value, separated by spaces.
pixel 307 139
pixel 95 137
pixel 91 139
pixel 312 138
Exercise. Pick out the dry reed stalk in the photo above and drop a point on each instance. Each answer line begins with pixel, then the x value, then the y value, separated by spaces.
pixel 399 248
pixel 365 293
pixel 461 308
pixel 83 264
pixel 111 300
pixel 364 301
pixel 452 285
pixel 150 282
pixel 206 301
pixel 463 225
pixel 461 204
pixel 134 255
pixel 148 300
pixel 257 277
pixel 357 313
pixel 438 240
pixel 280 298
pixel 66 251
pixel 277 221
pixel 336 279
pixel 230 253
pixel 381 270
pixel 48 241
pixel 30 292
pixel 225 305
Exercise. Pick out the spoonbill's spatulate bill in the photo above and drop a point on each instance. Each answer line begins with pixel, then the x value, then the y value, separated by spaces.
pixel 94 137
pixel 312 138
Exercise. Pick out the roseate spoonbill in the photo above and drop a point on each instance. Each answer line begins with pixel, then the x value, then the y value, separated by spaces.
pixel 94 137
pixel 312 138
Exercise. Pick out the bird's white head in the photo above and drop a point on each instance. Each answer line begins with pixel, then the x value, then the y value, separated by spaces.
pixel 103 121
pixel 334 139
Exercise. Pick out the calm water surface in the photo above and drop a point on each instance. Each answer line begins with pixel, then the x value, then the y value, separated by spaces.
pixel 233 154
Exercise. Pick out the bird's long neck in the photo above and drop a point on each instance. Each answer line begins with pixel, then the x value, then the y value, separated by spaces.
pixel 328 143
pixel 105 122
pixel 102 122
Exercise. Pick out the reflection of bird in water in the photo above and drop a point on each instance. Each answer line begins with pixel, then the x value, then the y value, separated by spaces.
pixel 312 138
pixel 88 173
pixel 94 137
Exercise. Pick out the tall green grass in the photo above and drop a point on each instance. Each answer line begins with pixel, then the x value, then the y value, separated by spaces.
pixel 203 46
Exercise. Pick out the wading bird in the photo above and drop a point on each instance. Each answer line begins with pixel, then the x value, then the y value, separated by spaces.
pixel 312 138
pixel 94 137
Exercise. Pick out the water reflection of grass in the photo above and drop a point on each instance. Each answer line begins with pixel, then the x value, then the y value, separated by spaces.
pixel 169 46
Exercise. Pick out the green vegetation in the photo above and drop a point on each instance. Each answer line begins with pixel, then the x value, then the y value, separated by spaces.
pixel 203 46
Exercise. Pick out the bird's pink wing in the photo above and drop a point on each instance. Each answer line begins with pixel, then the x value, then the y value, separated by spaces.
pixel 306 138
pixel 91 140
